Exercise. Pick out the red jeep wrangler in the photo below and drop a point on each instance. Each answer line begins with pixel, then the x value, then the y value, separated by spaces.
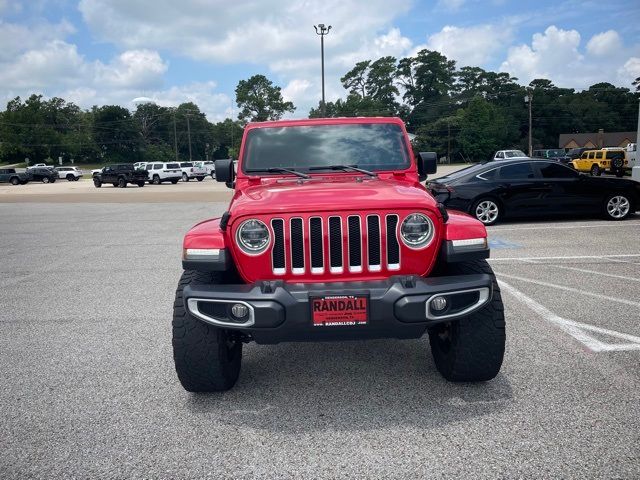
pixel 331 236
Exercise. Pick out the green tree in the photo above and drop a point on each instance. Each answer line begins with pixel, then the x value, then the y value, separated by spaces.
pixel 227 136
pixel 484 129
pixel 260 100
pixel 115 134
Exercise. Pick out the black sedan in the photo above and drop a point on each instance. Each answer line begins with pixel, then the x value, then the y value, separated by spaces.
pixel 530 188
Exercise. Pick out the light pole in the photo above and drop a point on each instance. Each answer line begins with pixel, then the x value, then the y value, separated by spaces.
pixel 322 30
pixel 529 99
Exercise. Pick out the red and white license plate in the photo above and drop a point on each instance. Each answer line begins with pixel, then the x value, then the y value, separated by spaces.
pixel 339 310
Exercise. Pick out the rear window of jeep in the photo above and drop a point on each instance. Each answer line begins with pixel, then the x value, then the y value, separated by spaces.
pixel 377 146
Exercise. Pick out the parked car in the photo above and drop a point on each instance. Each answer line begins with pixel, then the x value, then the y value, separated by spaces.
pixel 42 174
pixel 550 153
pixel 70 173
pixel 518 188
pixel 573 154
pixel 120 175
pixel 612 160
pixel 164 172
pixel 39 165
pixel 509 154
pixel 193 170
pixel 210 167
pixel 9 175
pixel 322 242
pixel 632 155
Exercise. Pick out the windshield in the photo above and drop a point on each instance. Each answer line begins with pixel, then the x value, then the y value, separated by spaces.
pixel 372 146
pixel 514 153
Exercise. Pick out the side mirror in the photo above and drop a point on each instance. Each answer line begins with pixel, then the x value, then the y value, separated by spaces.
pixel 224 170
pixel 427 164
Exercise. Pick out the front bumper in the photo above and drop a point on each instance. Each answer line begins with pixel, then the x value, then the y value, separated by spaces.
pixel 399 307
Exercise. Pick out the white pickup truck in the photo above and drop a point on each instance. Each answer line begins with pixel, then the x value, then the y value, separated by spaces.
pixel 192 170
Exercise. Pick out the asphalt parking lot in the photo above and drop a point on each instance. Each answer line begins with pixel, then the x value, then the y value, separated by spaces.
pixel 89 388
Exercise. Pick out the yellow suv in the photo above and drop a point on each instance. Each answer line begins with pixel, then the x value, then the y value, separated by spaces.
pixel 595 162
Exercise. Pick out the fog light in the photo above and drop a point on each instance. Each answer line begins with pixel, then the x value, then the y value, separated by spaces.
pixel 439 303
pixel 239 310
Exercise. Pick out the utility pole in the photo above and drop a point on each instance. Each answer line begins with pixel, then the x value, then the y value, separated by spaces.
pixel 448 142
pixel 529 99
pixel 189 134
pixel 322 31
pixel 175 135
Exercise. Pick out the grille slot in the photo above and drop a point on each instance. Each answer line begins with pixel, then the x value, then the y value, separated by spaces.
pixel 373 245
pixel 277 255
pixel 297 246
pixel 327 250
pixel 315 245
pixel 335 244
pixel 393 248
pixel 355 244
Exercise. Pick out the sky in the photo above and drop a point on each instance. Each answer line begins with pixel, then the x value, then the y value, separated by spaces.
pixel 96 52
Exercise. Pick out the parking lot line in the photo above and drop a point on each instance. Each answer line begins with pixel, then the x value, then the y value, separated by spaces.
pixel 584 270
pixel 565 227
pixel 570 289
pixel 576 329
pixel 571 257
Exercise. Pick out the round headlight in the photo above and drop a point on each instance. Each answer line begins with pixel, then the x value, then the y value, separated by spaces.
pixel 253 237
pixel 416 230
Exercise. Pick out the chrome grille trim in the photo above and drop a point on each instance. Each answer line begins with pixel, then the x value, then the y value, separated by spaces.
pixel 316 269
pixel 374 266
pixel 393 245
pixel 354 267
pixel 277 225
pixel 338 266
pixel 296 242
pixel 330 253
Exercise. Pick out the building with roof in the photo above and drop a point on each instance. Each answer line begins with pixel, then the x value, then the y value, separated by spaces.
pixel 596 140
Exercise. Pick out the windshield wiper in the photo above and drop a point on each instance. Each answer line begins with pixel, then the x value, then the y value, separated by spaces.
pixel 277 170
pixel 351 168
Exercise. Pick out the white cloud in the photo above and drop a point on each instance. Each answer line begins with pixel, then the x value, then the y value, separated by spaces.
pixel 132 69
pixel 551 52
pixel 470 46
pixel 629 71
pixel 450 5
pixel 16 38
pixel 57 69
pixel 278 34
pixel 556 55
pixel 605 43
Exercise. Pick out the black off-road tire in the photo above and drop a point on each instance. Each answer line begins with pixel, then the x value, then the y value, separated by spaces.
pixel 185 177
pixel 595 171
pixel 96 182
pixel 141 184
pixel 122 182
pixel 471 349
pixel 620 173
pixel 15 181
pixel 200 178
pixel 156 180
pixel 207 358
pixel 174 182
pixel 70 178
pixel 45 180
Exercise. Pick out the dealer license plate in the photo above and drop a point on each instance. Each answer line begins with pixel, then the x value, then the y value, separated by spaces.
pixel 339 310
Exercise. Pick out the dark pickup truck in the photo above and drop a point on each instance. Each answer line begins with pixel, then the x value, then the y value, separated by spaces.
pixel 11 176
pixel 120 175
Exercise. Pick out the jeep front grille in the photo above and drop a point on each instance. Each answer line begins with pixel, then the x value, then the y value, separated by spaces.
pixel 321 242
